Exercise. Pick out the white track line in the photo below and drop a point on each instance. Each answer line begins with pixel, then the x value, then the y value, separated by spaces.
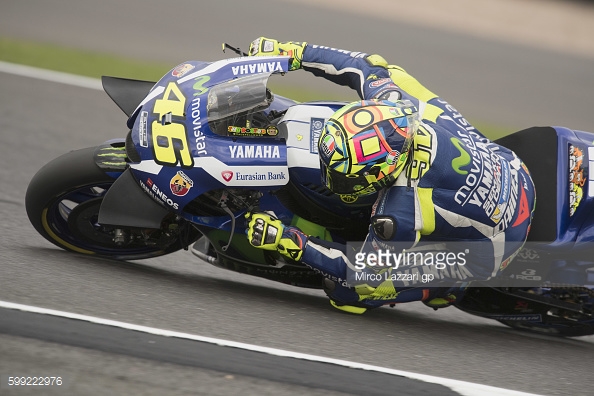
pixel 464 388
pixel 50 75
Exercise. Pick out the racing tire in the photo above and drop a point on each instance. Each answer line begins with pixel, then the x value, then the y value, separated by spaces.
pixel 63 200
pixel 567 328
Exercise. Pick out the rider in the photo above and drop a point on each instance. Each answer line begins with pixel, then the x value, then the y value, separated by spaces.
pixel 437 179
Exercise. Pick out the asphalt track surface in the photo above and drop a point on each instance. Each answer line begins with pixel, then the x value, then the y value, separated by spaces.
pixel 41 120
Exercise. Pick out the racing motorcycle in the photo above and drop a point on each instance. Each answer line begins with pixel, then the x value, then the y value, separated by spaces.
pixel 209 142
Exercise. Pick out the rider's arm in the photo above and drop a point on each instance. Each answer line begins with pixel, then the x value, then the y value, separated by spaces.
pixel 344 68
pixel 331 258
pixel 353 69
pixel 371 77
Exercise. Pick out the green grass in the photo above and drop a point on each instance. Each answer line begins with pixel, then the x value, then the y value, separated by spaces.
pixel 74 61
pixel 93 64
pixel 492 131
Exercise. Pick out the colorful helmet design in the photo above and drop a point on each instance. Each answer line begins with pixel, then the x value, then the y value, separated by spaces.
pixel 365 145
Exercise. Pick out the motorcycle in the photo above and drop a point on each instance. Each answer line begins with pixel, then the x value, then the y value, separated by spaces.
pixel 209 142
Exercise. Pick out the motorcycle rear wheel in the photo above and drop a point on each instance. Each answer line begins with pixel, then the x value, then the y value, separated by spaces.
pixel 561 329
pixel 63 200
pixel 558 321
pixel 513 306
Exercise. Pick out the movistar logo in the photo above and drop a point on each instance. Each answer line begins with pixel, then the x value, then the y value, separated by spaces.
pixel 462 160
pixel 198 85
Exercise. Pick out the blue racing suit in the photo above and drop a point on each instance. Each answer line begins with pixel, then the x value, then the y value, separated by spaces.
pixel 459 186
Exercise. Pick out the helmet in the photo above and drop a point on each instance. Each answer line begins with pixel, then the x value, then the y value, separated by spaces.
pixel 365 145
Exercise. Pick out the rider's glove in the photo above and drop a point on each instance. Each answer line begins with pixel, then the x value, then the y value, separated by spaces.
pixel 269 233
pixel 263 46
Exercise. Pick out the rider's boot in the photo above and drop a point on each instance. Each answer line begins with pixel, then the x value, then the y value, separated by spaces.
pixel 338 294
pixel 441 297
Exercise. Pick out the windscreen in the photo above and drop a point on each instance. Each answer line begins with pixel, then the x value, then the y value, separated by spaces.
pixel 233 102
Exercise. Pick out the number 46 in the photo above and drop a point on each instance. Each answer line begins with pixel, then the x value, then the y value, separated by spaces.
pixel 170 142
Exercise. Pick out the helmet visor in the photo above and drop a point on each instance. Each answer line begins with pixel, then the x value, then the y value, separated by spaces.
pixel 341 183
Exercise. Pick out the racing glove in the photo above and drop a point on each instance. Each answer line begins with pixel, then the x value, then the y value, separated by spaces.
pixel 263 46
pixel 269 233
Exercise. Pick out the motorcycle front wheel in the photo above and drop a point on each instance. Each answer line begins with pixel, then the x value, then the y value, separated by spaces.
pixel 63 201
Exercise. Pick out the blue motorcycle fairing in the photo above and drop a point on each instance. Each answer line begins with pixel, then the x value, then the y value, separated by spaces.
pixel 177 147
pixel 176 187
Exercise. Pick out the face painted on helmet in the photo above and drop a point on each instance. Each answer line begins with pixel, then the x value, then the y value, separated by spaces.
pixel 364 145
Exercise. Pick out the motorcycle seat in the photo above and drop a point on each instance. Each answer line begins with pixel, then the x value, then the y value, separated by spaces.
pixel 537 147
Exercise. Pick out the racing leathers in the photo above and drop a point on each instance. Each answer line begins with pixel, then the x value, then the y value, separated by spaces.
pixel 458 186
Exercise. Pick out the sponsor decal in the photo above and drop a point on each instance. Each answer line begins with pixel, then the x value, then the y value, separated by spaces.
pixel 392 157
pixel 264 67
pixel 244 131
pixel 462 160
pixel 529 254
pixel 576 193
pixel 501 172
pixel 384 227
pixel 576 178
pixel 258 175
pixel 142 129
pixel 378 205
pixel 198 85
pixel 151 189
pixel 348 198
pixel 380 82
pixel 523 210
pixel 227 175
pixel 327 145
pixel 181 70
pixel 523 318
pixel 268 46
pixel 504 264
pixel 261 176
pixel 315 130
pixel 199 138
pixel 254 151
pixel 522 305
pixel 180 184
pixel 490 182
pixel 528 275
pixel 349 53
